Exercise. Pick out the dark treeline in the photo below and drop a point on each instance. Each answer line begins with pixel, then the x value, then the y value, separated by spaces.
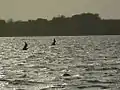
pixel 82 24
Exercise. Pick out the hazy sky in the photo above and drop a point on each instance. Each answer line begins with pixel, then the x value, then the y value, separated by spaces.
pixel 32 9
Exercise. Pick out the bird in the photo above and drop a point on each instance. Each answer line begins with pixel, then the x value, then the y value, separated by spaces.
pixel 25 46
pixel 54 42
pixel 66 74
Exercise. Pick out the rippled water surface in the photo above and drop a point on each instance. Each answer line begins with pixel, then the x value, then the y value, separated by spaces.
pixel 74 63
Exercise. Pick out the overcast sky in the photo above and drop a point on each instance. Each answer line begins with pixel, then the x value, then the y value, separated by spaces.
pixel 32 9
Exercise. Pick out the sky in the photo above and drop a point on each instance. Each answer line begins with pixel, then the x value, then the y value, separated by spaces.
pixel 33 9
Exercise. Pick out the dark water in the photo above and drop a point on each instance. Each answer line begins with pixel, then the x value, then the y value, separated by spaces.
pixel 75 63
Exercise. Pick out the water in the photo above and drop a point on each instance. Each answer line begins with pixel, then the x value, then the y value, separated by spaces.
pixel 89 62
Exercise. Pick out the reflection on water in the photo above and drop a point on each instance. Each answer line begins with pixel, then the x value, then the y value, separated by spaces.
pixel 74 63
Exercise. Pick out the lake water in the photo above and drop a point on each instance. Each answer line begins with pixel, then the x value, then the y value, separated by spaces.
pixel 74 63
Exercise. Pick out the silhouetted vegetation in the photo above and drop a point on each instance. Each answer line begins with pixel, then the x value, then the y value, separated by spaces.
pixel 81 24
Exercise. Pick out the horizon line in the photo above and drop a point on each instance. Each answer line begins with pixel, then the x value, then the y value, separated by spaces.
pixel 59 15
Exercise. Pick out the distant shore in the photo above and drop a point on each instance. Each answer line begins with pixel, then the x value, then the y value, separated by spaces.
pixel 78 25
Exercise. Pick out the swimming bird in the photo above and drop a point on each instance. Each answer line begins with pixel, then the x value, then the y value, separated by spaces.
pixel 66 74
pixel 25 46
pixel 54 41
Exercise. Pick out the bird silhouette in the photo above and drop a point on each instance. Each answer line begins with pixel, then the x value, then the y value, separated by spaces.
pixel 25 46
pixel 54 42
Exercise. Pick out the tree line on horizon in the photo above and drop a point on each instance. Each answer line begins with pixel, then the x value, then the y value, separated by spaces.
pixel 76 25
